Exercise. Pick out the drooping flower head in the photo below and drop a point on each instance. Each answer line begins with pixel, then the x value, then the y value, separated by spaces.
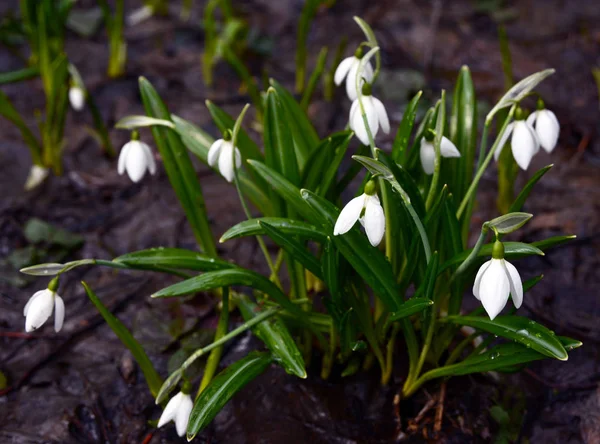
pixel 367 209
pixel 40 307
pixel 348 69
pixel 135 158
pixel 495 281
pixel 221 155
pixel 524 142
pixel 76 97
pixel 427 151
pixel 178 410
pixel 374 111
pixel 546 126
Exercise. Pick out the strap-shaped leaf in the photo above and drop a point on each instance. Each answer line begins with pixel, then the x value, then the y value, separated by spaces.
pixel 519 329
pixel 253 227
pixel 152 377
pixel 323 164
pixel 400 146
pixel 179 168
pixel 276 337
pixel 172 258
pixel 225 385
pixel 8 111
pixel 517 205
pixel 410 307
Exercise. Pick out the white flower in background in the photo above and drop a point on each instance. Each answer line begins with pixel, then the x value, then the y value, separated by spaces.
pixel 495 280
pixel 348 69
pixel 221 154
pixel 376 117
pixel 40 307
pixel 136 157
pixel 524 142
pixel 546 126
pixel 37 174
pixel 178 410
pixel 140 15
pixel 367 209
pixel 76 97
pixel 427 152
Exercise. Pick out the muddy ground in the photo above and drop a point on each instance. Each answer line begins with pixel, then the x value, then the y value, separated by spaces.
pixel 82 386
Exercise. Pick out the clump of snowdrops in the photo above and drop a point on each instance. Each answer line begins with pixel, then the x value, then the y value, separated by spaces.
pixel 354 295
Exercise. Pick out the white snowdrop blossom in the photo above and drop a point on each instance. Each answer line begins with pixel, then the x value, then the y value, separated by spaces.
pixel 524 142
pixel 136 157
pixel 427 153
pixel 495 280
pixel 546 127
pixel 37 174
pixel 348 70
pixel 77 97
pixel 178 410
pixel 376 117
pixel 220 155
pixel 40 307
pixel 367 209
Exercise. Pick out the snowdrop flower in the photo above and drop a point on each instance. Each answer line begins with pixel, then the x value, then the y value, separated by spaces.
pixel 348 69
pixel 40 306
pixel 376 116
pixel 495 280
pixel 220 155
pixel 367 209
pixel 546 126
pixel 135 158
pixel 427 152
pixel 77 97
pixel 524 142
pixel 178 410
pixel 37 174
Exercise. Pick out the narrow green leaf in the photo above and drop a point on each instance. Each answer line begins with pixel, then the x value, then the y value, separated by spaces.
pixel 410 307
pixel 225 385
pixel 8 111
pixel 19 75
pixel 253 227
pixel 306 16
pixel 153 379
pixel 134 122
pixel 173 258
pixel 400 145
pixel 276 337
pixel 524 194
pixel 314 79
pixel 519 329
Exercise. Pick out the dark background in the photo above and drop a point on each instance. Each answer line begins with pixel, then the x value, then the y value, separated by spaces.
pixel 81 385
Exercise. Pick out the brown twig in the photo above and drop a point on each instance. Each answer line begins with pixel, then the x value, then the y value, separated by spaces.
pixel 439 413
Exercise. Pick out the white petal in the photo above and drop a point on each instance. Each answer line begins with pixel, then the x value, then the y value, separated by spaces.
pixel 374 221
pixel 36 176
pixel 36 295
pixel 149 157
pixel 448 149
pixel 382 116
pixel 39 311
pixel 349 215
pixel 524 144
pixel 139 15
pixel 226 162
pixel 547 129
pixel 77 98
pixel 427 153
pixel 368 72
pixel 351 82
pixel 136 162
pixel 477 282
pixel 170 410
pixel 213 152
pixel 532 117
pixel 516 286
pixel 494 288
pixel 350 116
pixel 342 69
pixel 238 158
pixel 357 124
pixel 123 157
pixel 59 313
pixel 503 139
pixel 182 416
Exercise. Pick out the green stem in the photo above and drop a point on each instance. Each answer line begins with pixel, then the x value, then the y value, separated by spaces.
pixel 437 142
pixel 482 167
pixel 212 363
pixel 460 347
pixel 474 253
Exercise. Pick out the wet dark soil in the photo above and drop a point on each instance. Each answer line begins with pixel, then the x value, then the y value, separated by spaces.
pixel 82 386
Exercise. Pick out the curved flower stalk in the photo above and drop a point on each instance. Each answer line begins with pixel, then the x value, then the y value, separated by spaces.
pixel 495 280
pixel 135 158
pixel 221 155
pixel 546 126
pixel 40 307
pixel 427 152
pixel 178 410
pixel 367 209
pixel 524 142
pixel 348 69
pixel 376 117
